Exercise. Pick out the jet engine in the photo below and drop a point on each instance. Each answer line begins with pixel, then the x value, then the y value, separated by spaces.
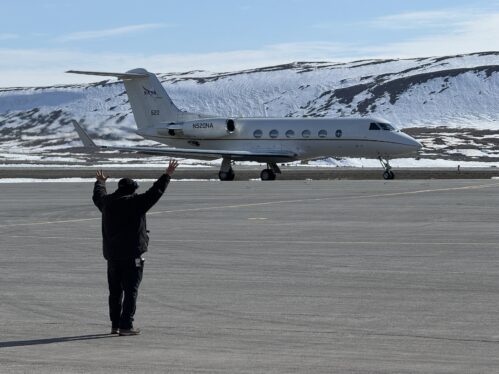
pixel 208 128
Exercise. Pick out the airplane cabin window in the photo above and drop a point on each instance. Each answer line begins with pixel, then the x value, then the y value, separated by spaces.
pixel 290 133
pixel 306 133
pixel 258 133
pixel 386 126
pixel 322 133
pixel 274 134
pixel 373 126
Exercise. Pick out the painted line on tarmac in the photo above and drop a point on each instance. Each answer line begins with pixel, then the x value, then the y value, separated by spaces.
pixel 277 202
pixel 326 242
pixel 50 222
pixel 391 194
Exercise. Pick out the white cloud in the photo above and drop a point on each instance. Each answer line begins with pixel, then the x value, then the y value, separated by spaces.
pixel 8 36
pixel 47 66
pixel 475 34
pixel 107 33
pixel 444 18
pixel 414 20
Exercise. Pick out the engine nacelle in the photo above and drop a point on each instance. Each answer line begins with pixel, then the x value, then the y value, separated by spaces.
pixel 208 128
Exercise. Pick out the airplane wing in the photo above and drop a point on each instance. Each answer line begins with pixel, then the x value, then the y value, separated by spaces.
pixel 211 154
pixel 203 154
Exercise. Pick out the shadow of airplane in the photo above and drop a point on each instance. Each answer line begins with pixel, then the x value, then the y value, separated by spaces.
pixel 63 339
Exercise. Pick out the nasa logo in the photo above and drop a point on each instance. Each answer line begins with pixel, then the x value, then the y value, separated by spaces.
pixel 148 92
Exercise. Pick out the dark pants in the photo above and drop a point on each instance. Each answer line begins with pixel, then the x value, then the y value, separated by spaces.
pixel 123 277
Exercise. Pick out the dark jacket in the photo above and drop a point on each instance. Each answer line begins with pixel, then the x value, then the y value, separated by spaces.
pixel 124 230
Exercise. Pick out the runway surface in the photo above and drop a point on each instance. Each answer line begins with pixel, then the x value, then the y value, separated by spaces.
pixel 269 277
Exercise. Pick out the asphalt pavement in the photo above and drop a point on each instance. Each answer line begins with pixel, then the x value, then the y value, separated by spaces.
pixel 341 276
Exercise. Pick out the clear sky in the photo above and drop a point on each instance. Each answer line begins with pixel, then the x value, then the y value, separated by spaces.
pixel 40 39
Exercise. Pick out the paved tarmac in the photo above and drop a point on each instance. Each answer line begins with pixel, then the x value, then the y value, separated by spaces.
pixel 260 277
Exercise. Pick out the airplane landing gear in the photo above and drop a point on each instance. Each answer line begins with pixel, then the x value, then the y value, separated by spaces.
pixel 269 174
pixel 226 173
pixel 388 173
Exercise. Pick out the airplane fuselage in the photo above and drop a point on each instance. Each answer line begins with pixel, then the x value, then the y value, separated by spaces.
pixel 307 138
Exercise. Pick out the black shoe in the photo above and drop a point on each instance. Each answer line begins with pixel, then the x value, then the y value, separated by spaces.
pixel 115 330
pixel 129 332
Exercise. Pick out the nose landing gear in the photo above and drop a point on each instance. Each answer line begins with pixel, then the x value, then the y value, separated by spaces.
pixel 388 173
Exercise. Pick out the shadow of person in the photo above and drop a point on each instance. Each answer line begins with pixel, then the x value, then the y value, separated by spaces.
pixel 63 339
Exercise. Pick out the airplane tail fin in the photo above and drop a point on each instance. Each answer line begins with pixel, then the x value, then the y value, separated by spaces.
pixel 150 103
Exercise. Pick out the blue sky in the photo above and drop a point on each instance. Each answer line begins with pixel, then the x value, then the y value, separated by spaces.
pixel 41 39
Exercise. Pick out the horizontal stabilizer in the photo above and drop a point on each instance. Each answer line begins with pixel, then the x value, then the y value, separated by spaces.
pixel 106 74
pixel 85 139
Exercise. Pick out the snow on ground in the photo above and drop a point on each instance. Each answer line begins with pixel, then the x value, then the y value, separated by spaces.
pixel 89 180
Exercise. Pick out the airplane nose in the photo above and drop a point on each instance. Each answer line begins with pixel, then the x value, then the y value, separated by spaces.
pixel 409 144
pixel 416 144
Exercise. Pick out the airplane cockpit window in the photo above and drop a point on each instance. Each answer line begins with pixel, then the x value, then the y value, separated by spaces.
pixel 373 126
pixel 258 133
pixel 274 134
pixel 386 126
pixel 322 133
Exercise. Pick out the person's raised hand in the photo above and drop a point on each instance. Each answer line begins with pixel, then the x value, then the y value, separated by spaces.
pixel 100 176
pixel 171 167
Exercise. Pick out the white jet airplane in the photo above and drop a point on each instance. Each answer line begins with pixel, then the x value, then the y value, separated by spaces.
pixel 264 140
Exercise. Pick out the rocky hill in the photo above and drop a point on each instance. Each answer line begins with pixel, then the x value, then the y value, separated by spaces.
pixel 450 103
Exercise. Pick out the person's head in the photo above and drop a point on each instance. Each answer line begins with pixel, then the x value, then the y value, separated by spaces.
pixel 127 185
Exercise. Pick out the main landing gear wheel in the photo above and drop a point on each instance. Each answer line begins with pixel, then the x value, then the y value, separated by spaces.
pixel 267 175
pixel 226 175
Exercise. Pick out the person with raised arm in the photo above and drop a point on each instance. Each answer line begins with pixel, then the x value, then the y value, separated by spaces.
pixel 125 240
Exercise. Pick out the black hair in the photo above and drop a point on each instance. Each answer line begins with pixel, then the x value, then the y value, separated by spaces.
pixel 127 185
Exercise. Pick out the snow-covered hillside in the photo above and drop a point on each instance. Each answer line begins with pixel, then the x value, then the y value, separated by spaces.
pixel 450 103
